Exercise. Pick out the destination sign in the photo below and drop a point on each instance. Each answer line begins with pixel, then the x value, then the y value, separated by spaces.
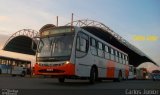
pixel 58 30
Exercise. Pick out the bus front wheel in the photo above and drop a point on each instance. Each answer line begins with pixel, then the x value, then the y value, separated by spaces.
pixel 93 75
pixel 61 80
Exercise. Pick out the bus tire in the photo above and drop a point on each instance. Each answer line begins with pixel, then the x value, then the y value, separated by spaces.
pixel 93 75
pixel 0 71
pixel 61 80
pixel 23 74
pixel 119 76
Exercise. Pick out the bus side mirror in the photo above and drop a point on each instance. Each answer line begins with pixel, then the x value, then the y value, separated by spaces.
pixel 35 42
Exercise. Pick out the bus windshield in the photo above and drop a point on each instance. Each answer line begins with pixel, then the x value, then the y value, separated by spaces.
pixel 56 46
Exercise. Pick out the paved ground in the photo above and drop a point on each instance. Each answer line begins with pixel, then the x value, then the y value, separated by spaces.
pixel 49 84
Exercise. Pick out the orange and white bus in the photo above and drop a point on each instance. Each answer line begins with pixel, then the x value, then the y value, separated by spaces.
pixel 73 52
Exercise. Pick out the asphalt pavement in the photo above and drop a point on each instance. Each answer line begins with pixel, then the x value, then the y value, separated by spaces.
pixel 41 86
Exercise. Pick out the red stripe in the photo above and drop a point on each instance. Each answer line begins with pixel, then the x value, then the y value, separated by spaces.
pixel 110 69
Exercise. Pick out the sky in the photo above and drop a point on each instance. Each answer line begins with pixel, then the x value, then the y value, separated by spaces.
pixel 128 18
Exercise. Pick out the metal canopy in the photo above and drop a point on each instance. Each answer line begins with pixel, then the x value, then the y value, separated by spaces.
pixel 136 56
pixel 21 42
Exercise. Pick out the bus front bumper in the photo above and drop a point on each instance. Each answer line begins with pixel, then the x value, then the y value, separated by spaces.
pixel 63 70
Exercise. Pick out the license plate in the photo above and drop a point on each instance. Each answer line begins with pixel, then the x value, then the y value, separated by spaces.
pixel 49 69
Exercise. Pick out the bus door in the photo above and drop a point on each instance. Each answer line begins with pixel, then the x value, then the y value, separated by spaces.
pixel 82 57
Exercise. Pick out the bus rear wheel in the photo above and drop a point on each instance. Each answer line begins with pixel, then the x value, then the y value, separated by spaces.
pixel 119 77
pixel 23 74
pixel 61 80
pixel 93 75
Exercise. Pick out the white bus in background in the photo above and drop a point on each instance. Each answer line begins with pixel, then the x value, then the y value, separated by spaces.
pixel 141 73
pixel 13 66
pixel 137 73
pixel 132 72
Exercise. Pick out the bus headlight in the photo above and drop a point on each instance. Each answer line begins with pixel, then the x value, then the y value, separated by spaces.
pixel 67 62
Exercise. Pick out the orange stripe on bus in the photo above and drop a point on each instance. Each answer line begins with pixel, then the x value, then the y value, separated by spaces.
pixel 70 69
pixel 110 69
pixel 126 70
pixel 35 69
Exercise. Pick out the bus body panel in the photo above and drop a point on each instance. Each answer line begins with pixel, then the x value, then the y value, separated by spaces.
pixel 83 62
pixel 83 66
pixel 100 63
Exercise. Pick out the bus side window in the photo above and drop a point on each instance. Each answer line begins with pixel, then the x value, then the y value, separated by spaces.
pixel 82 44
pixel 112 54
pixel 106 49
pixel 93 42
pixel 93 46
pixel 78 42
pixel 120 57
pixel 126 58
pixel 123 61
pixel 100 50
pixel 116 55
pixel 100 45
